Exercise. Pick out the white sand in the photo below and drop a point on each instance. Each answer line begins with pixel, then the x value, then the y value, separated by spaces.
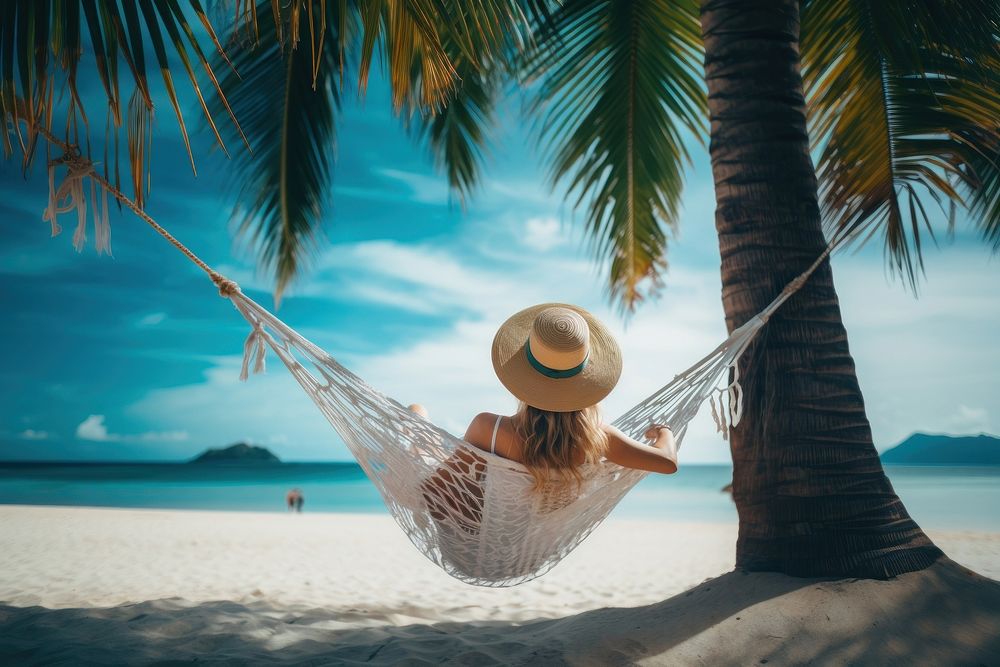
pixel 254 585
pixel 69 557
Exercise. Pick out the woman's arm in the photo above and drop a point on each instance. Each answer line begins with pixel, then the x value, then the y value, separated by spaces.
pixel 629 453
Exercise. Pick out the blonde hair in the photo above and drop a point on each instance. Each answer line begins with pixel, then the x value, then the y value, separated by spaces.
pixel 552 441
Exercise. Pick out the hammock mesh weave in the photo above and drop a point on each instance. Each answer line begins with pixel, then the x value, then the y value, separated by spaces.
pixel 475 514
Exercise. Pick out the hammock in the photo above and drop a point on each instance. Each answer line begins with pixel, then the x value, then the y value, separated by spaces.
pixel 474 514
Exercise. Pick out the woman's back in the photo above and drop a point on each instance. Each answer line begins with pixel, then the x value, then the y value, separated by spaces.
pixel 500 435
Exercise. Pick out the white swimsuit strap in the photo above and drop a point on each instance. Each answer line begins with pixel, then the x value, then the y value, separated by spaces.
pixel 493 440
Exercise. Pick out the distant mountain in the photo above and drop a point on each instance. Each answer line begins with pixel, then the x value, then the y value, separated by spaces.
pixel 945 450
pixel 241 452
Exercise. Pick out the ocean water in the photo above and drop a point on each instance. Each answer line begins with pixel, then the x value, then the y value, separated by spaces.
pixel 937 497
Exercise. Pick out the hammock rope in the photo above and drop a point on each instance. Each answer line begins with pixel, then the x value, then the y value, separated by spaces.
pixel 474 514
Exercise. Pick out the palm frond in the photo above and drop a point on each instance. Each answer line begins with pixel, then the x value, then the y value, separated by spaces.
pixel 421 45
pixel 41 45
pixel 421 42
pixel 410 40
pixel 283 183
pixel 620 93
pixel 982 155
pixel 983 166
pixel 904 113
pixel 457 135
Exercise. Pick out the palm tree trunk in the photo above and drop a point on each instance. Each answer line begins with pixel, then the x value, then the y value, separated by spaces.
pixel 812 497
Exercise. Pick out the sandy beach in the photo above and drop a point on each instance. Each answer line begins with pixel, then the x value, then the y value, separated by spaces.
pixel 361 564
pixel 148 585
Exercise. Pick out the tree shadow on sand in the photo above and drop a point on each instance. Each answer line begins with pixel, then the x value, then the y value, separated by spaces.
pixel 945 614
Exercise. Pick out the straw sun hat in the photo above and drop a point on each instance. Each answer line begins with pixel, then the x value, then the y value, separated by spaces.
pixel 556 357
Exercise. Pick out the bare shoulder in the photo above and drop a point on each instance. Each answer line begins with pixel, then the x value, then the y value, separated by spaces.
pixel 614 432
pixel 480 430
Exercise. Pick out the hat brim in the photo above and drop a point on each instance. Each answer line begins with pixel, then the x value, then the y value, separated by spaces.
pixel 587 388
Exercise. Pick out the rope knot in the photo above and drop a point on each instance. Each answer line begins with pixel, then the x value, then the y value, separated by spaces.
pixel 227 288
pixel 74 161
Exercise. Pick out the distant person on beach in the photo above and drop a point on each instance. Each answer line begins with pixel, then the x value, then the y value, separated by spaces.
pixel 295 500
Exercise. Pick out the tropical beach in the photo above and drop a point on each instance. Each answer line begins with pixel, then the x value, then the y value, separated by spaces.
pixel 349 589
pixel 504 332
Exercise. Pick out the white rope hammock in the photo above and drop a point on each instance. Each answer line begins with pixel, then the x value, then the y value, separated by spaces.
pixel 474 514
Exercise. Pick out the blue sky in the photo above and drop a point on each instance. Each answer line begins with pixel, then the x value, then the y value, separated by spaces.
pixel 136 357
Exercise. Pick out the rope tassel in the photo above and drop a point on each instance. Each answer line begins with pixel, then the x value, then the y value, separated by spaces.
pixel 254 350
pixel 70 196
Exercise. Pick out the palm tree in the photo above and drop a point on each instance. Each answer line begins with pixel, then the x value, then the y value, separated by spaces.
pixel 810 490
pixel 898 97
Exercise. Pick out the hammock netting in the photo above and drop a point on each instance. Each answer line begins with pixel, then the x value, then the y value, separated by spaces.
pixel 474 514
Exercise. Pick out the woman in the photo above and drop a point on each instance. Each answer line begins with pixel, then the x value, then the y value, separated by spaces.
pixel 560 362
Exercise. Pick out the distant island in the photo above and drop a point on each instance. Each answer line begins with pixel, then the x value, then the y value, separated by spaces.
pixel 241 452
pixel 945 450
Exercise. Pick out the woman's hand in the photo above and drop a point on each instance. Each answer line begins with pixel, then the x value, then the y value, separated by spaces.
pixel 660 457
pixel 655 430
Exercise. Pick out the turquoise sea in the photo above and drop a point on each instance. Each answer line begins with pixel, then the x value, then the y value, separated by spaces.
pixel 937 497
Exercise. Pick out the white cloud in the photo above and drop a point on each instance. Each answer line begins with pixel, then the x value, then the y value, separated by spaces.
pixel 967 421
pixel 503 192
pixel 32 434
pixel 543 233
pixel 361 290
pixel 220 409
pixel 422 279
pixel 94 428
pixel 151 320
pixel 424 189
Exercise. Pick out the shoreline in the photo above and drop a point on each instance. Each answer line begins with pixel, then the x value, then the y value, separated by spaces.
pixel 380 511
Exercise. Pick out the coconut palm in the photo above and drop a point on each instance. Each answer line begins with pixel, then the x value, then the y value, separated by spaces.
pixel 901 101
pixel 896 101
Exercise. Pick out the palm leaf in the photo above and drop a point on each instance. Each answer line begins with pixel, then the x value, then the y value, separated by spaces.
pixel 41 44
pixel 984 200
pixel 291 129
pixel 422 40
pixel 904 112
pixel 457 135
pixel 422 44
pixel 410 39
pixel 619 94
